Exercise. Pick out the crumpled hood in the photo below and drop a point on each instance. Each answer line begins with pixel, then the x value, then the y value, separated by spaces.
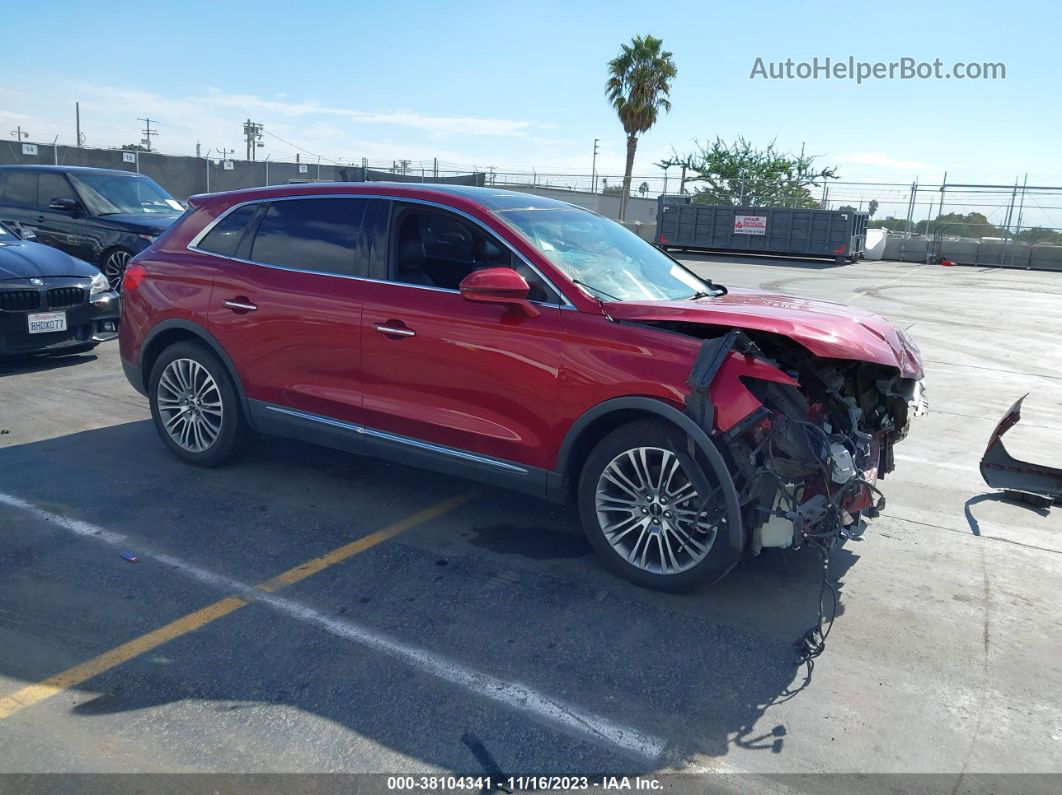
pixel 21 259
pixel 825 328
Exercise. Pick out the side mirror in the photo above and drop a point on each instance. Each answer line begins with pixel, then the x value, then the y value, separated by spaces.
pixel 25 233
pixel 64 205
pixel 498 286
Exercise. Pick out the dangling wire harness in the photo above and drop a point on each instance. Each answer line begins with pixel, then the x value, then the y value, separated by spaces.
pixel 819 522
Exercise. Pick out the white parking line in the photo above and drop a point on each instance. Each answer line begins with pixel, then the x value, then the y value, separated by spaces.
pixel 538 706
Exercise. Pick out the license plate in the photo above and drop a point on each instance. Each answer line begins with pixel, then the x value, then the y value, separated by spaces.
pixel 47 322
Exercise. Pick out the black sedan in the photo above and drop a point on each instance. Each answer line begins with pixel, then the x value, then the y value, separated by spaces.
pixel 51 302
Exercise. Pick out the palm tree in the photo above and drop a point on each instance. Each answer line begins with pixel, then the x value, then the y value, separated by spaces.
pixel 643 188
pixel 639 85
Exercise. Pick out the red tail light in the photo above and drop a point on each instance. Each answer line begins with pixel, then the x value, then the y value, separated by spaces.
pixel 134 274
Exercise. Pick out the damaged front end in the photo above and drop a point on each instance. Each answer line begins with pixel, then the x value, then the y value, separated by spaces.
pixel 807 438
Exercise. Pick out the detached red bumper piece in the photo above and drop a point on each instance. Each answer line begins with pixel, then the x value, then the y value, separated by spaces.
pixel 1033 483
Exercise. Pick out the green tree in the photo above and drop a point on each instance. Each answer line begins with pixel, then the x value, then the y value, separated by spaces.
pixel 638 87
pixel 643 188
pixel 740 175
pixel 1040 234
pixel 872 207
pixel 959 225
pixel 846 208
pixel 890 223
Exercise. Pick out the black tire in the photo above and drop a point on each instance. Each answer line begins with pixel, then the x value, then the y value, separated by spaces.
pixel 113 262
pixel 659 435
pixel 234 434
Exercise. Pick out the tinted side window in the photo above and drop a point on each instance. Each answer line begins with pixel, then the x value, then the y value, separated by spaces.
pixel 53 186
pixel 312 234
pixel 20 188
pixel 439 250
pixel 227 233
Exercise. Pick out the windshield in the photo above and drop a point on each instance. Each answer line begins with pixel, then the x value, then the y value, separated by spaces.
pixel 5 236
pixel 112 194
pixel 613 263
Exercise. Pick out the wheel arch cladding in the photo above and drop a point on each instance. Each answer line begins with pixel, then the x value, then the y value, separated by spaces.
pixel 611 414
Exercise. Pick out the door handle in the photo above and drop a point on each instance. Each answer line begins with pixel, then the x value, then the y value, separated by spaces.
pixel 397 331
pixel 240 306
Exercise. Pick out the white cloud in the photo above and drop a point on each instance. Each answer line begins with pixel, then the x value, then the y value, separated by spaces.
pixel 215 99
pixel 881 160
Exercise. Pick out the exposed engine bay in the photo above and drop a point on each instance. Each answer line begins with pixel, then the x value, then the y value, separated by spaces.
pixel 807 461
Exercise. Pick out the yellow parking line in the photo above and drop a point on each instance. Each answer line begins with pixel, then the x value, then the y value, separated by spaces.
pixel 311 567
pixel 34 694
pixel 72 677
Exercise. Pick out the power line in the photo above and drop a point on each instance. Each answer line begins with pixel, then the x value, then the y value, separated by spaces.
pixel 307 151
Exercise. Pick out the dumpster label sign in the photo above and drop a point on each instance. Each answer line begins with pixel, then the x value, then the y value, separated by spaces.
pixel 750 224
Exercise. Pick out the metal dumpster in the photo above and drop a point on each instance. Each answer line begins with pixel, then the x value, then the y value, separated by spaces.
pixel 760 230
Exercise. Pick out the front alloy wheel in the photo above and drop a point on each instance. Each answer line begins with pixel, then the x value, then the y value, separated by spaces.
pixel 114 267
pixel 190 405
pixel 650 512
pixel 658 516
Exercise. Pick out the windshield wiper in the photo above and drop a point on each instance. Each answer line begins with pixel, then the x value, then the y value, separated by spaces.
pixel 596 289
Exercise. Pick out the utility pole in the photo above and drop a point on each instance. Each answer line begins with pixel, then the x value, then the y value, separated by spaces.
pixel 148 132
pixel 18 135
pixel 911 206
pixel 593 169
pixel 77 121
pixel 252 131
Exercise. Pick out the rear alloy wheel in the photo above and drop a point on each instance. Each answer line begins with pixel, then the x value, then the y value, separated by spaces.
pixel 113 266
pixel 644 515
pixel 190 406
pixel 195 405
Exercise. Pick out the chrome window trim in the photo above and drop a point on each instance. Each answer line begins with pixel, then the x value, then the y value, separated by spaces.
pixel 392 437
pixel 193 244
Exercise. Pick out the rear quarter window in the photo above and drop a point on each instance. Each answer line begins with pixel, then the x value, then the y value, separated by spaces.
pixel 226 235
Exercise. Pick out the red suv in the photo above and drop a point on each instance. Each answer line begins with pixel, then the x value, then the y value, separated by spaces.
pixel 527 343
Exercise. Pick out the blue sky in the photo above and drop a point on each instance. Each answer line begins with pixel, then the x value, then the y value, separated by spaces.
pixel 521 85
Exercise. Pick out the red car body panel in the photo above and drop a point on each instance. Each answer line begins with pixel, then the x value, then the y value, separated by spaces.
pixel 301 347
pixel 478 377
pixel 473 376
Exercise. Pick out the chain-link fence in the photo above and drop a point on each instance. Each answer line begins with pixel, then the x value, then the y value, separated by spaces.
pixel 1018 224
